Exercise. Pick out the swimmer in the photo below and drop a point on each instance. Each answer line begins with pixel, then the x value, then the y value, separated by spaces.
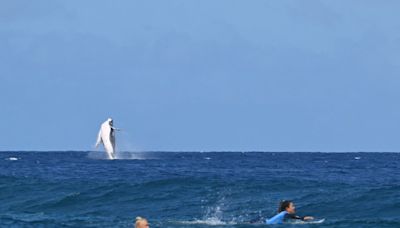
pixel 286 212
pixel 141 223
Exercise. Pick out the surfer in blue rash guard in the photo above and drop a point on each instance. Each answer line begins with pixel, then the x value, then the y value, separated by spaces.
pixel 286 212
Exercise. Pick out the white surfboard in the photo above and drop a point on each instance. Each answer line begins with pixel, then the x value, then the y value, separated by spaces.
pixel 314 221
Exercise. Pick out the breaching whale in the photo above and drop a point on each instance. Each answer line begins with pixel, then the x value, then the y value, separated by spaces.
pixel 107 137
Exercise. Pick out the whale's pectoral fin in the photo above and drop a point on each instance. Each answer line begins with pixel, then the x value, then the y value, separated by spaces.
pixel 116 129
pixel 98 139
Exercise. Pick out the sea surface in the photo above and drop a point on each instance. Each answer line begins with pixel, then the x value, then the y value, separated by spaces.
pixel 194 189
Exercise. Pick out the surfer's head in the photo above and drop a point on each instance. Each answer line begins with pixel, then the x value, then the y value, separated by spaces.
pixel 141 223
pixel 288 206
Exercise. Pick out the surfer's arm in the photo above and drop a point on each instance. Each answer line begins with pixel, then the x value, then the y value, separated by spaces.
pixel 294 216
pixel 116 129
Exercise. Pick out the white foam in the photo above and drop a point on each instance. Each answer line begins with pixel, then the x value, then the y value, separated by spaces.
pixel 12 159
pixel 119 155
pixel 130 156
pixel 213 217
pixel 208 221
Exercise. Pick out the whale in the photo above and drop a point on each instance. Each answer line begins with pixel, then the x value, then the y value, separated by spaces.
pixel 106 137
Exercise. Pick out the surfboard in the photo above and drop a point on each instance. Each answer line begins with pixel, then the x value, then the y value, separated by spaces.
pixel 314 221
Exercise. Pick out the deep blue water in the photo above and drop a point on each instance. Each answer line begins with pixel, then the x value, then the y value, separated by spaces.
pixel 78 189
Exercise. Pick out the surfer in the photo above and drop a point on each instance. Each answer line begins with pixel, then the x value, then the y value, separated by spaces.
pixel 286 212
pixel 141 223
pixel 107 137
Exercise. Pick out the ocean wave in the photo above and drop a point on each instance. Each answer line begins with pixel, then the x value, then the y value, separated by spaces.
pixel 186 190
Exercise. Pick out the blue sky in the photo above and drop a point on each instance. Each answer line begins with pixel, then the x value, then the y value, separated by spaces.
pixel 201 75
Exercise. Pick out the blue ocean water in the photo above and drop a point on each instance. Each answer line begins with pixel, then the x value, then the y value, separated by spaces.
pixel 222 189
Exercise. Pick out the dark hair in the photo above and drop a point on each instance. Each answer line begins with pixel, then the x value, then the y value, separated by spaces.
pixel 283 205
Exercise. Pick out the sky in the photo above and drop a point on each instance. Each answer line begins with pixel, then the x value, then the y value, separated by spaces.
pixel 204 75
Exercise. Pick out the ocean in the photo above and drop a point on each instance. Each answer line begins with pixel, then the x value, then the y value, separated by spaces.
pixel 195 189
